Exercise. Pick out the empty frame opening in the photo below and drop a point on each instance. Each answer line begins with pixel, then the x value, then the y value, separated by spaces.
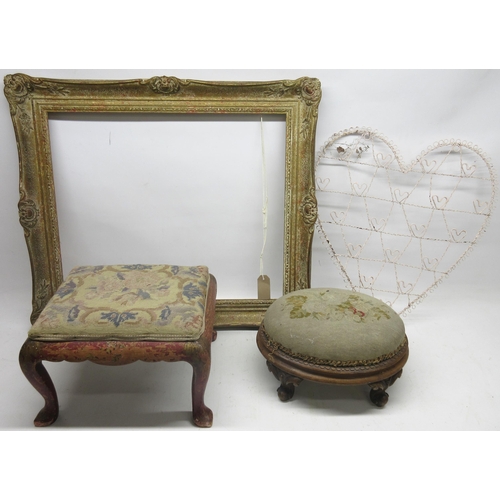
pixel 175 189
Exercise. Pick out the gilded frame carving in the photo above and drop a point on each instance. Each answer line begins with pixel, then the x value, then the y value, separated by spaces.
pixel 32 99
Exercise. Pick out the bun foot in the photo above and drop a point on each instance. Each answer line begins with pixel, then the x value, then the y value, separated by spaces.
pixel 288 382
pixel 378 395
pixel 286 392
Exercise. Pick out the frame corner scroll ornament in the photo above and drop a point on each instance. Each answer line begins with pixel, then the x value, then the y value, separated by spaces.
pixel 19 87
pixel 31 100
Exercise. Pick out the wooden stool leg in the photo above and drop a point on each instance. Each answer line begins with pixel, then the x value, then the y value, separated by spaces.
pixel 38 377
pixel 202 415
pixel 288 382
pixel 378 395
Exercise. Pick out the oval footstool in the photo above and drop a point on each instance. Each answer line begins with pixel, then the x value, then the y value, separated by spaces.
pixel 333 336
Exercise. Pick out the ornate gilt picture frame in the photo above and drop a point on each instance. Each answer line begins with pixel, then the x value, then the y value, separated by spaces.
pixel 32 99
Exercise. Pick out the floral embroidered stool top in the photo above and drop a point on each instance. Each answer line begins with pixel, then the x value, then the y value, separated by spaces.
pixel 136 302
pixel 331 335
pixel 334 324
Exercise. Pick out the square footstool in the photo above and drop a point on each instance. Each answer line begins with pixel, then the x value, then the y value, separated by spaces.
pixel 115 315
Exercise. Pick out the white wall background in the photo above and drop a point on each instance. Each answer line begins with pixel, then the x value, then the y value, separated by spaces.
pixel 120 208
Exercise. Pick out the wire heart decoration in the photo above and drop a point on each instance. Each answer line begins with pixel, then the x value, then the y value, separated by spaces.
pixel 396 230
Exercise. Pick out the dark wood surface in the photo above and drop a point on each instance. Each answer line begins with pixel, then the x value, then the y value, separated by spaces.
pixel 291 370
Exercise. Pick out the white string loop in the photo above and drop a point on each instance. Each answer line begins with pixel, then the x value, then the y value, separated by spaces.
pixel 264 198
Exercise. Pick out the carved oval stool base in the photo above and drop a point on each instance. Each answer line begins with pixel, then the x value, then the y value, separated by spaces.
pixel 291 369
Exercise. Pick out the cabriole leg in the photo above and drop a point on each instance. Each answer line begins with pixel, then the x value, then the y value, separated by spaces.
pixel 202 415
pixel 38 377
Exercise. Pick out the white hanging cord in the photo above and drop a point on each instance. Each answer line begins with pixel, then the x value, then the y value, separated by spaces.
pixel 264 197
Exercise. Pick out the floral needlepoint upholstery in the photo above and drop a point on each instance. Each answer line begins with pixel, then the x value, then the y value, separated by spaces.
pixel 134 302
pixel 335 325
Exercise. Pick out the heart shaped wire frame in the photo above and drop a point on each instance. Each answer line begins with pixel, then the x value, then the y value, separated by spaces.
pixel 396 230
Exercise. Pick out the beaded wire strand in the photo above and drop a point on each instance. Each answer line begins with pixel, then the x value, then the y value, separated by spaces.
pixel 396 230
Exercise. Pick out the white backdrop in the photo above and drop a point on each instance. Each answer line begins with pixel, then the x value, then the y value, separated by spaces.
pixel 119 207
